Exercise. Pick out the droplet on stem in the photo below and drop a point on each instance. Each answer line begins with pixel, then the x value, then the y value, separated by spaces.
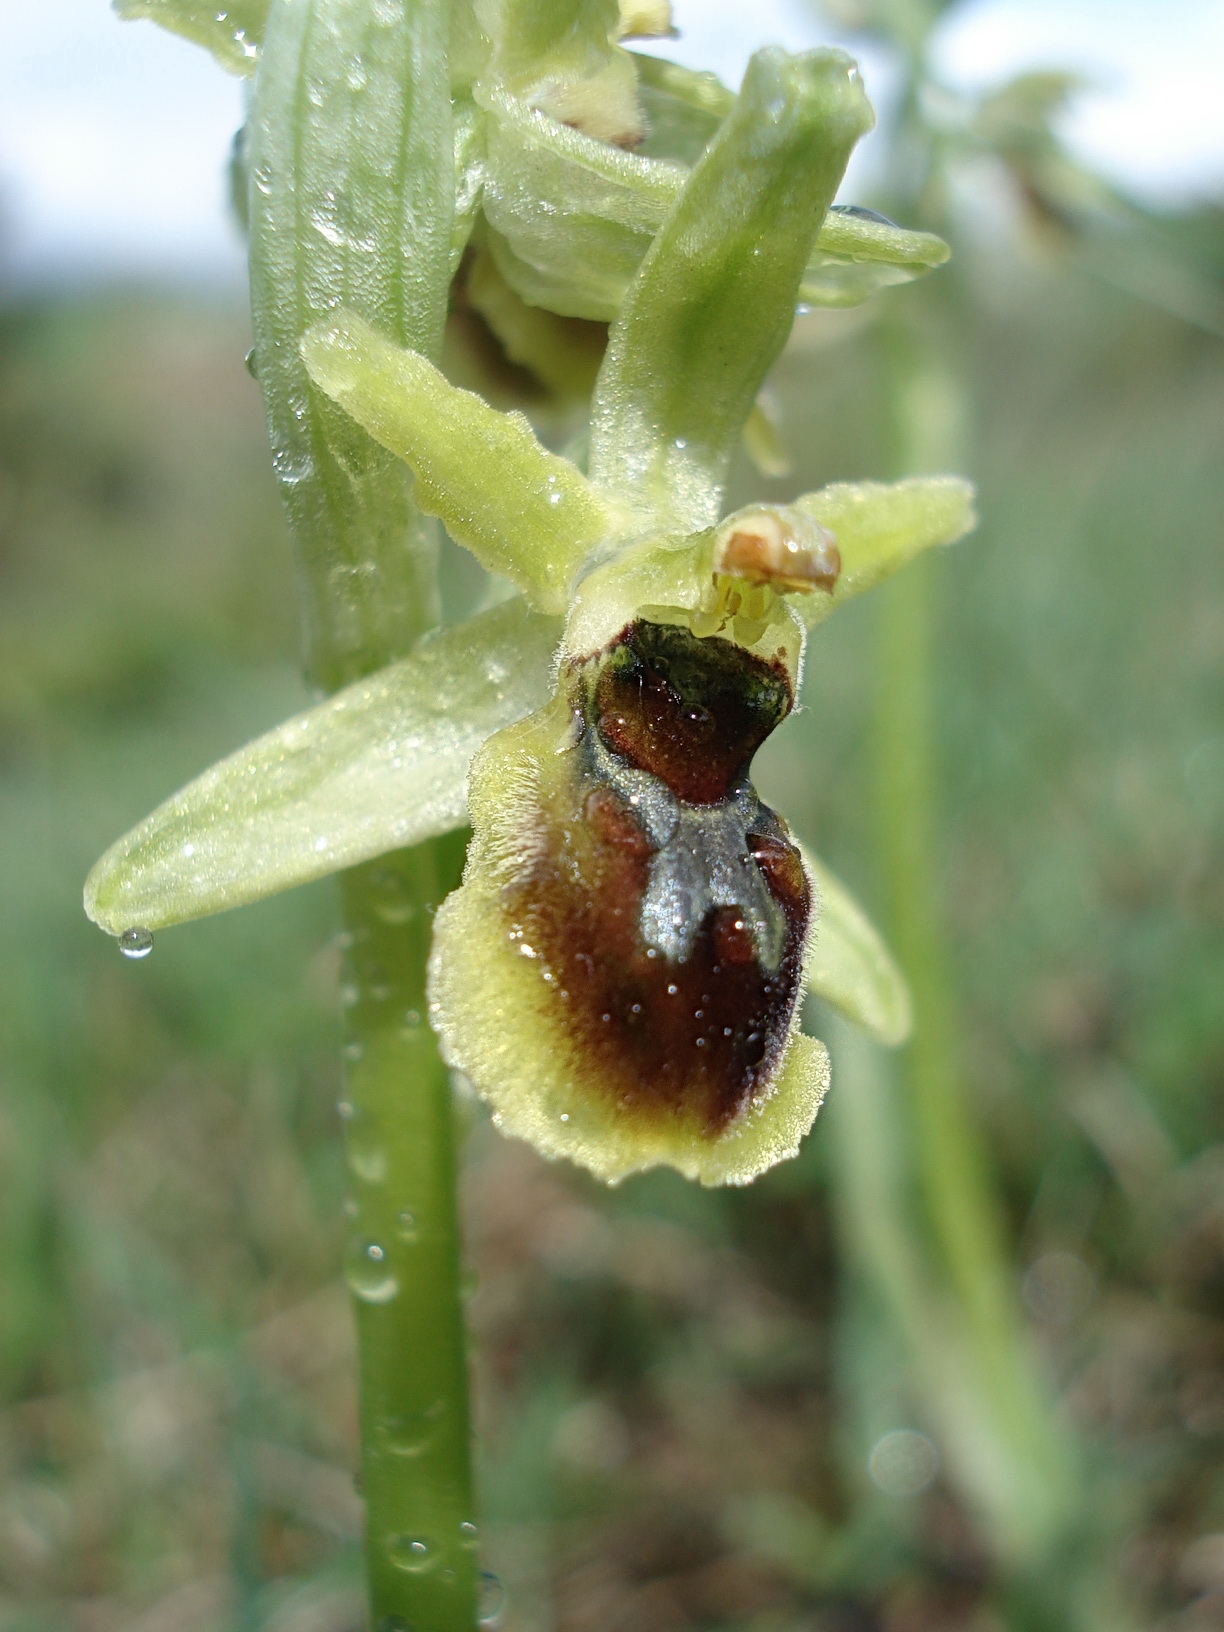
pixel 415 1554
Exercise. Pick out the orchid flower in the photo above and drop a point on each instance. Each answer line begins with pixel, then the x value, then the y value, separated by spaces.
pixel 620 974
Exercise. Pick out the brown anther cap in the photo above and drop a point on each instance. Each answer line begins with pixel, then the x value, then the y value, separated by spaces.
pixel 762 549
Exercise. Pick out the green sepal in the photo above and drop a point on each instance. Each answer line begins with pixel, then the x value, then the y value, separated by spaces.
pixel 683 108
pixel 849 966
pixel 714 298
pixel 379 765
pixel 522 511
pixel 880 526
pixel 571 217
pixel 233 31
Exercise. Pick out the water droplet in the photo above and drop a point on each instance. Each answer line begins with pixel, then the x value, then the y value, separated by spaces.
pixel 366 1156
pixel 672 990
pixel 490 1599
pixel 408 1227
pixel 903 1463
pixel 252 367
pixel 345 1110
pixel 352 1051
pixel 412 1018
pixel 136 943
pixel 367 1273
pixel 410 1435
pixel 469 1534
pixel 262 177
pixel 412 1553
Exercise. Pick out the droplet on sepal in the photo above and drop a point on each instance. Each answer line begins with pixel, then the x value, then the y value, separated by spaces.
pixel 136 943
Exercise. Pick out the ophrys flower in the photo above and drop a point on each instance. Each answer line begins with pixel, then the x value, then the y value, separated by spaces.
pixel 620 974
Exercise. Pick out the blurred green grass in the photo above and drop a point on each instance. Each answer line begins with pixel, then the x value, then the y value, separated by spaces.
pixel 664 1375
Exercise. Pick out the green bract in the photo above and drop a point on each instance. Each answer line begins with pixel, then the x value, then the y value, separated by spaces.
pixel 621 972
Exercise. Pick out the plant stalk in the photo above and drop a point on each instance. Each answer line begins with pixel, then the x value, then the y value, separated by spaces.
pixel 350 168
pixel 403 1253
pixel 1026 1486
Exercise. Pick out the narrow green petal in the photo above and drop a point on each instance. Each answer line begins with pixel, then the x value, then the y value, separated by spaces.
pixel 713 302
pixel 232 31
pixel 879 526
pixel 521 510
pixel 379 765
pixel 848 964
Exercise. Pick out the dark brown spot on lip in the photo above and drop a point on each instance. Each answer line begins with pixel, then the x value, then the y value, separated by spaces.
pixel 691 712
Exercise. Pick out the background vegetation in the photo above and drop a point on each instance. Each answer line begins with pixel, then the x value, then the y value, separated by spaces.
pixel 678 1391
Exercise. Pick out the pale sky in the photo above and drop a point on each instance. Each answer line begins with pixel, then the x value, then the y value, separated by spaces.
pixel 114 136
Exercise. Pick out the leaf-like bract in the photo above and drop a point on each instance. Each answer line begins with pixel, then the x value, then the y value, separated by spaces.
pixel 379 765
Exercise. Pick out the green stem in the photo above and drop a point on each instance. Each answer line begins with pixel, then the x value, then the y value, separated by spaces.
pixel 403 1256
pixel 350 160
pixel 1026 1502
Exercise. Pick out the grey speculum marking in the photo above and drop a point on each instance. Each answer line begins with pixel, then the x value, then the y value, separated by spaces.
pixel 703 860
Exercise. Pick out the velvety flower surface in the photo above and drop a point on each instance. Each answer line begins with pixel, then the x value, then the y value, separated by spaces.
pixel 621 972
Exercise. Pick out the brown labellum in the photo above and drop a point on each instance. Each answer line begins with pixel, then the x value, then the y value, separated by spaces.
pixel 665 904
